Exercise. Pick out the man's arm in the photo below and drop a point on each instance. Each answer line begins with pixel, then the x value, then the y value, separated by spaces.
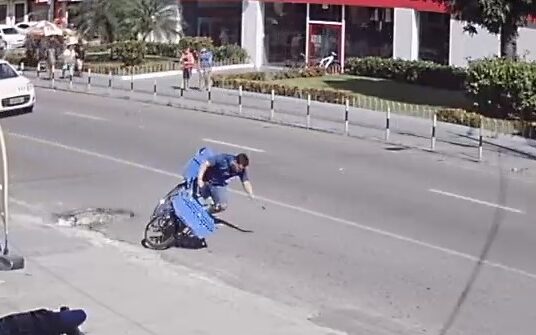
pixel 248 188
pixel 247 184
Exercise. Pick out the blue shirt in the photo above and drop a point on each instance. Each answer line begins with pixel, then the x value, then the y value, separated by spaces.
pixel 220 170
pixel 206 59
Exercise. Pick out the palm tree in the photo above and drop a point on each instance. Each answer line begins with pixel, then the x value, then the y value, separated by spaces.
pixel 102 18
pixel 159 18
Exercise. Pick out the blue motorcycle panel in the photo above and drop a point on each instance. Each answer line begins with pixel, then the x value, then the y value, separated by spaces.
pixel 193 214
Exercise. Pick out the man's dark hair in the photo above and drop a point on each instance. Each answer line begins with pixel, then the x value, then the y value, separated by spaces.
pixel 242 159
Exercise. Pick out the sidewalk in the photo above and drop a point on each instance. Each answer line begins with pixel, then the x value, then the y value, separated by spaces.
pixel 126 289
pixel 510 152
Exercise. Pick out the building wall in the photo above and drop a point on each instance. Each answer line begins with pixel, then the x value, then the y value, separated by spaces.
pixel 253 31
pixel 526 43
pixel 464 47
pixel 10 17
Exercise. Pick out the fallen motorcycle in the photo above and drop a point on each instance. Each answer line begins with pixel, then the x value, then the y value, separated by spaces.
pixel 43 322
pixel 181 218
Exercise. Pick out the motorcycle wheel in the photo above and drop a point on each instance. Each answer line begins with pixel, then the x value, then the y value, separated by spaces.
pixel 164 229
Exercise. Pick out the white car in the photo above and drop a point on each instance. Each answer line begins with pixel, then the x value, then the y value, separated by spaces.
pixel 17 93
pixel 11 35
pixel 23 27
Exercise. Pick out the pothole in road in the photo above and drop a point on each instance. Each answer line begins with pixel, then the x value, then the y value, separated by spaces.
pixel 92 217
pixel 396 148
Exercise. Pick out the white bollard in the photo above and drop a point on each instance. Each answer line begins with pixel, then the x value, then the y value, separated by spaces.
pixel 434 125
pixel 387 123
pixel 240 99
pixel 346 117
pixel 272 101
pixel 53 77
pixel 480 139
pixel 308 118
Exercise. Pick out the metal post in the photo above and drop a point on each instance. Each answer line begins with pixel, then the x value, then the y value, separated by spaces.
pixel 240 99
pixel 154 89
pixel 346 117
pixel 272 100
pixel 308 111
pixel 110 79
pixel 387 123
pixel 182 87
pixel 209 95
pixel 434 125
pixel 131 81
pixel 480 135
pixel 7 262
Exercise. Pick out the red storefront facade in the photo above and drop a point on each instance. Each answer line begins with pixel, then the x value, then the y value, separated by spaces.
pixel 407 29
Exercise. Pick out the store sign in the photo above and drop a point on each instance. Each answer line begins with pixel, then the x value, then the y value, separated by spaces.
pixel 421 5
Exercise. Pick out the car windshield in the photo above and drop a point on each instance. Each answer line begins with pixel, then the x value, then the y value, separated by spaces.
pixel 7 72
pixel 10 31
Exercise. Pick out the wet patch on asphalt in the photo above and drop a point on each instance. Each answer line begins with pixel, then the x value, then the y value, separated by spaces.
pixel 92 217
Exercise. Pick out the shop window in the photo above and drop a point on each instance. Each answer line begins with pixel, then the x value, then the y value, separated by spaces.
pixel 434 37
pixel 369 32
pixel 325 13
pixel 221 21
pixel 3 14
pixel 20 10
pixel 284 32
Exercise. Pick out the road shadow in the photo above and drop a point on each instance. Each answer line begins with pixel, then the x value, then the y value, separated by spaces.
pixel 517 152
pixel 400 92
pixel 17 112
pixel 458 144
pixel 232 226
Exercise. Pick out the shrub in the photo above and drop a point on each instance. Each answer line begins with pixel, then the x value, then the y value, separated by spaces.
pixel 503 88
pixel 414 72
pixel 196 43
pixel 231 52
pixel 280 75
pixel 15 57
pixel 129 52
pixel 459 116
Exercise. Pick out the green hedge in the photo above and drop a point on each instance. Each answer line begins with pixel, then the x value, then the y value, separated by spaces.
pixel 414 72
pixel 233 53
pixel 129 52
pixel 279 75
pixel 503 88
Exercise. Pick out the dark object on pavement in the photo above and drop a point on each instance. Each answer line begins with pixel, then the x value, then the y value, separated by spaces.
pixel 43 322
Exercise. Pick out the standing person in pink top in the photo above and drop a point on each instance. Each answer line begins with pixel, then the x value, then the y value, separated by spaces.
pixel 188 62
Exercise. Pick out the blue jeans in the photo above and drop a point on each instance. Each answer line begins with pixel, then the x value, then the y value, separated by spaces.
pixel 217 193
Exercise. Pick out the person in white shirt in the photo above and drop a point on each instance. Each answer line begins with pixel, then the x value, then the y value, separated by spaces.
pixel 69 60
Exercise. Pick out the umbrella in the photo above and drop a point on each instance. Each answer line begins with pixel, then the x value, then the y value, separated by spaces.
pixel 45 28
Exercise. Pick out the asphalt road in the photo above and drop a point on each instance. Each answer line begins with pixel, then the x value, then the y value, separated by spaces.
pixel 375 241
